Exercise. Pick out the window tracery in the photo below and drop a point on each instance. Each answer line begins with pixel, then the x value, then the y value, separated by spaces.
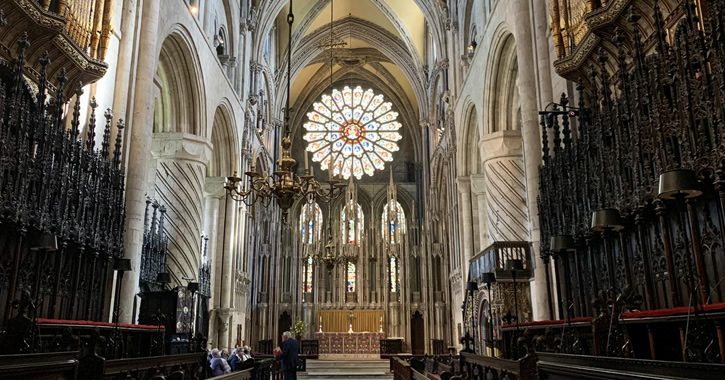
pixel 353 132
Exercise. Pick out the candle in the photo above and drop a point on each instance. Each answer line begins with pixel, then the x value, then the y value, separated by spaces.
pixel 254 159
pixel 235 164
pixel 329 171
pixel 307 163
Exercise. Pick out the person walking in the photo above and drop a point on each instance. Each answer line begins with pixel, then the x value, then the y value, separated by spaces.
pixel 289 356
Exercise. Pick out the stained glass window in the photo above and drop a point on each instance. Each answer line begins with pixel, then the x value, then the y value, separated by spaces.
pixel 394 274
pixel 352 225
pixel 353 132
pixel 394 222
pixel 351 277
pixel 310 223
pixel 307 276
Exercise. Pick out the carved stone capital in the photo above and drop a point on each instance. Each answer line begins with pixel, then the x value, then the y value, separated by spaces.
pixel 478 184
pixel 181 146
pixel 501 144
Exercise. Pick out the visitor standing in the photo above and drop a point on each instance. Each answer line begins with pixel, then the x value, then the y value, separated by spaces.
pixel 289 356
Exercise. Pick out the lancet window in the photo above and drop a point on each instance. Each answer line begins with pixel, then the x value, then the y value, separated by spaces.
pixel 310 223
pixel 393 223
pixel 352 223
pixel 351 277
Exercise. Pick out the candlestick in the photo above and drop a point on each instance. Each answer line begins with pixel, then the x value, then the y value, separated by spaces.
pixel 254 159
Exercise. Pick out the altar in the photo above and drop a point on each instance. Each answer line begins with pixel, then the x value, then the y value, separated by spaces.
pixel 364 345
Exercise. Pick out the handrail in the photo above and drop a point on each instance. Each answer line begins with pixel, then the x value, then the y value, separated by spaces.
pixel 489 361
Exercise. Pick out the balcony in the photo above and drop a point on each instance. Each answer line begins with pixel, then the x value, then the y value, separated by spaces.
pixel 494 257
pixel 75 33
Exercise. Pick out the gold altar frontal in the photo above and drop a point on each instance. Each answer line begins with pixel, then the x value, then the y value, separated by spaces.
pixel 358 345
pixel 338 341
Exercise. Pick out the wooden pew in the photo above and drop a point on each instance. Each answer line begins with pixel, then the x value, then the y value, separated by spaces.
pixel 55 366
pixel 238 375
pixel 401 369
pixel 147 368
pixel 561 366
pixel 477 367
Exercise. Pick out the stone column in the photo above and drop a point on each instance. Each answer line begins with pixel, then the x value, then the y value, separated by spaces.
pixel 478 188
pixel 181 167
pixel 503 163
pixel 440 319
pixel 532 146
pixel 138 155
pixel 464 188
pixel 123 68
pixel 213 194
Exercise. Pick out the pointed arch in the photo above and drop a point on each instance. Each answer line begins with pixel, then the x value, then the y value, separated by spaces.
pixel 223 139
pixel 180 104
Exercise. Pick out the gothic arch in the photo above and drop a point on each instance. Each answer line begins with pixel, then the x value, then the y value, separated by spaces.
pixel 180 104
pixel 388 44
pixel 501 99
pixel 223 138
pixel 470 156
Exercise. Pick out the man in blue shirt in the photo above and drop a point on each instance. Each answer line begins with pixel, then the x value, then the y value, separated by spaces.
pixel 289 356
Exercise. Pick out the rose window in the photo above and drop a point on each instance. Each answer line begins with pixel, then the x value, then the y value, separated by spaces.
pixel 352 132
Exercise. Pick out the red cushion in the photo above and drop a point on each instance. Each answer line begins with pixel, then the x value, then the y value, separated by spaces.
pixel 90 323
pixel 672 311
pixel 556 322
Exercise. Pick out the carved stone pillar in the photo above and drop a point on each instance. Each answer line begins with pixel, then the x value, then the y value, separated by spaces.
pixel 180 169
pixel 478 188
pixel 505 186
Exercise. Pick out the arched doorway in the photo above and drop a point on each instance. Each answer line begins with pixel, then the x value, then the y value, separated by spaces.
pixel 417 334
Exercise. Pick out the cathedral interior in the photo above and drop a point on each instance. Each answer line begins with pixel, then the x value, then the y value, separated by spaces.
pixel 414 189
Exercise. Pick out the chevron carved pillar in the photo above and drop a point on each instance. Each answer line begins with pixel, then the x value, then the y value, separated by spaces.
pixel 503 162
pixel 181 161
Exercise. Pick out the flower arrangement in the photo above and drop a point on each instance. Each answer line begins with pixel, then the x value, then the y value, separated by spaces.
pixel 298 327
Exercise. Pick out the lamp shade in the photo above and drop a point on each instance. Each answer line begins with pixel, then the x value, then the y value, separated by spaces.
pixel 471 286
pixel 562 243
pixel 607 219
pixel 193 287
pixel 679 182
pixel 44 242
pixel 488 277
pixel 514 265
pixel 163 277
pixel 122 265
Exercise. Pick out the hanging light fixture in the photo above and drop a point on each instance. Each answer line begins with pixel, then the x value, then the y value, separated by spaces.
pixel 283 184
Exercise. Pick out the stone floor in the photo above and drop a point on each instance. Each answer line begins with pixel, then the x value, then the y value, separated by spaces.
pixel 349 369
